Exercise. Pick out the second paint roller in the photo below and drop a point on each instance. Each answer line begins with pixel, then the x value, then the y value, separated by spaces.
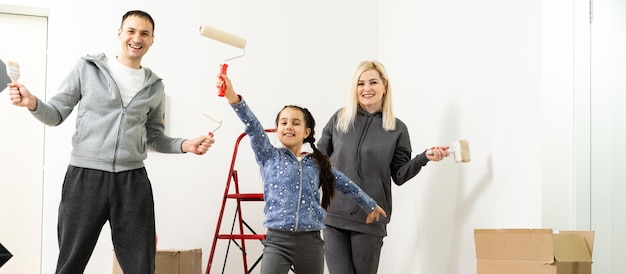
pixel 226 38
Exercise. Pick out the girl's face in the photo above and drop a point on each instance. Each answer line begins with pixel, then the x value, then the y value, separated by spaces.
pixel 370 91
pixel 292 130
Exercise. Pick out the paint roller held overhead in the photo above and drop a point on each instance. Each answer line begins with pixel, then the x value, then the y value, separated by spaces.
pixel 222 36
pixel 226 38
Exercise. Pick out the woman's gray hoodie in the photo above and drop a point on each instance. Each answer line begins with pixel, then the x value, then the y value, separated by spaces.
pixel 371 157
pixel 109 136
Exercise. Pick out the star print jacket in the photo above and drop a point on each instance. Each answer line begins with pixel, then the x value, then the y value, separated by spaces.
pixel 291 188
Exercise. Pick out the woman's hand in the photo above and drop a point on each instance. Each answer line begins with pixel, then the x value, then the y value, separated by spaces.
pixel 437 153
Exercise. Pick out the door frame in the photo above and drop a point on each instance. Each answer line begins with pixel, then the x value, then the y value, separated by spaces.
pixel 22 145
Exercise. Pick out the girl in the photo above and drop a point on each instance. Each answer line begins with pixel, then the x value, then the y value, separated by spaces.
pixel 294 216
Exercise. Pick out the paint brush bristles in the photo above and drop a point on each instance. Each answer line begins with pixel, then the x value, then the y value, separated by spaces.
pixel 215 119
pixel 13 70
pixel 462 151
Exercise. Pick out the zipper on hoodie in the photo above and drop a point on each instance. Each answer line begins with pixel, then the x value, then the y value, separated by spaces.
pixel 299 193
pixel 104 68
pixel 117 138
pixel 122 119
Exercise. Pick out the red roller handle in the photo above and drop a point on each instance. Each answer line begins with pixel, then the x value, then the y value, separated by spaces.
pixel 222 91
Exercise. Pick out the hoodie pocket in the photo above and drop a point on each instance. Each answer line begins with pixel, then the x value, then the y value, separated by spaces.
pixel 374 187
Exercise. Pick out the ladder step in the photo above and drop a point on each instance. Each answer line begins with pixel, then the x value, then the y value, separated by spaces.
pixel 247 196
pixel 242 236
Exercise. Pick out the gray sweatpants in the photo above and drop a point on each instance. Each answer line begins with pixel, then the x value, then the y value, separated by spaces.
pixel 303 250
pixel 92 197
pixel 351 252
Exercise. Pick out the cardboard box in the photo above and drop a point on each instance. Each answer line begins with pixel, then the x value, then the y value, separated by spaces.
pixel 533 251
pixel 172 261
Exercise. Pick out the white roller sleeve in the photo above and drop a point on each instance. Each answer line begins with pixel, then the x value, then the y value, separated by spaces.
pixel 222 36
pixel 217 120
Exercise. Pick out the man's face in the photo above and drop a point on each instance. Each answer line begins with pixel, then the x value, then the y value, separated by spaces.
pixel 136 36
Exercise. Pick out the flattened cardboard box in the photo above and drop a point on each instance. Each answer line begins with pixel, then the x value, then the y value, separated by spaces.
pixel 172 261
pixel 533 251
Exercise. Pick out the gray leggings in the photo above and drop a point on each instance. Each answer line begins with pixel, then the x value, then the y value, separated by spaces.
pixel 302 250
pixel 92 197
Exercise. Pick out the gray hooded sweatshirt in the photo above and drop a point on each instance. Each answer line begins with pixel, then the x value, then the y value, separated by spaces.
pixel 372 158
pixel 109 136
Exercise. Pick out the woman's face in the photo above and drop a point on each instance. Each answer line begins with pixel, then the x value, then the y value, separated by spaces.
pixel 370 91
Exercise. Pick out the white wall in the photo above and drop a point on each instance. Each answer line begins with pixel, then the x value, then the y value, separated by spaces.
pixel 458 71
pixel 474 71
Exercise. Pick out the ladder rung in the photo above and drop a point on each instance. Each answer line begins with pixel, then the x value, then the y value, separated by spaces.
pixel 241 237
pixel 247 196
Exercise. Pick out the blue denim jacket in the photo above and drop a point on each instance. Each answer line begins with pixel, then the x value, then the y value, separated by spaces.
pixel 291 188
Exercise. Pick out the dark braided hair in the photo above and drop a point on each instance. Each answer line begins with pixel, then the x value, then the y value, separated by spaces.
pixel 327 179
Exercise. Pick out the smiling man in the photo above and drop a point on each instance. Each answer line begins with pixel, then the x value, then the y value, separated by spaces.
pixel 120 116
pixel 136 35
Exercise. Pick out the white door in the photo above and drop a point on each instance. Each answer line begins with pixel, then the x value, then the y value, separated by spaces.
pixel 21 146
pixel 608 135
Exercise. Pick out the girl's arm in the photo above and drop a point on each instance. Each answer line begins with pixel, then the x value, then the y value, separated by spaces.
pixel 348 187
pixel 259 140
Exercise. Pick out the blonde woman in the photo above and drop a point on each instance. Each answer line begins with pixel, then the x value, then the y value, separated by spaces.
pixel 366 142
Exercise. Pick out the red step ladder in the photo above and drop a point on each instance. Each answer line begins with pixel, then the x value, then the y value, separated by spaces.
pixel 239 237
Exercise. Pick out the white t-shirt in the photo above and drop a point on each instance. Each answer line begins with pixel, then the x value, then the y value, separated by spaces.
pixel 128 80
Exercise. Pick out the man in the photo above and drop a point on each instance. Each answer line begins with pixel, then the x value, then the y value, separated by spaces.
pixel 120 114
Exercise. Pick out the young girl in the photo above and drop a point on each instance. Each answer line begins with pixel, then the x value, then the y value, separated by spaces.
pixel 294 216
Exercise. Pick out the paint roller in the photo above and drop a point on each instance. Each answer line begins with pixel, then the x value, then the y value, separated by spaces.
pixel 226 38
pixel 214 119
pixel 459 150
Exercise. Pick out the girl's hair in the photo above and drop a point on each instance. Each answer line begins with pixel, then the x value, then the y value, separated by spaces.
pixel 327 179
pixel 345 121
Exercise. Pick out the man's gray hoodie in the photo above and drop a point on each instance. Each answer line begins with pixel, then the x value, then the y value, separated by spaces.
pixel 109 136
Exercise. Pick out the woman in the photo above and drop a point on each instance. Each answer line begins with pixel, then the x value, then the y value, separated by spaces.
pixel 365 141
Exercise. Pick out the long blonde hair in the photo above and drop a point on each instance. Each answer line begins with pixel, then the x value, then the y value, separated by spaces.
pixel 345 120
